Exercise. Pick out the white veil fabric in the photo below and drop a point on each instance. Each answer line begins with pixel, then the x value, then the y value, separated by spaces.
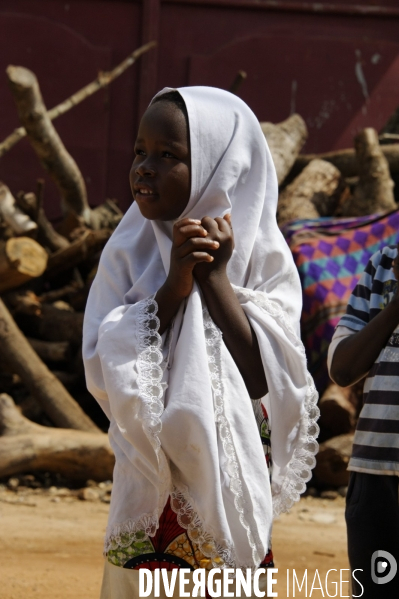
pixel 182 422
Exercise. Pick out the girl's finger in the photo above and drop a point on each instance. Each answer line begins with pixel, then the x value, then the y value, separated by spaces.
pixel 186 221
pixel 193 231
pixel 196 244
pixel 210 225
pixel 224 225
pixel 179 236
pixel 196 257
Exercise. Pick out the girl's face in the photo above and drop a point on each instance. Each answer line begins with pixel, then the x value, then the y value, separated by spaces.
pixel 160 177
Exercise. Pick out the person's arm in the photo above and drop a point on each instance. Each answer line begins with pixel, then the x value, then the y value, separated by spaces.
pixel 226 311
pixel 355 355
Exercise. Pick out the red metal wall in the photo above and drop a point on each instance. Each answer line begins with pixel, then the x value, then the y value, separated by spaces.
pixel 336 64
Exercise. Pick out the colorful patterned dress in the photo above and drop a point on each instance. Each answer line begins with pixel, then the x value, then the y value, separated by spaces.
pixel 171 547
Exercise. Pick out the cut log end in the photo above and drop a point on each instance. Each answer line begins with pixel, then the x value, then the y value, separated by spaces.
pixel 21 259
pixel 21 76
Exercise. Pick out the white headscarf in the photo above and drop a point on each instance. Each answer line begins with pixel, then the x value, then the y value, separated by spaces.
pixel 197 439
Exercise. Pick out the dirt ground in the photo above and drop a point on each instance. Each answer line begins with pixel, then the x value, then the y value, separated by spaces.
pixel 51 547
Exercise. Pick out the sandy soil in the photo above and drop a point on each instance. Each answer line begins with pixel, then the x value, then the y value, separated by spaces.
pixel 51 547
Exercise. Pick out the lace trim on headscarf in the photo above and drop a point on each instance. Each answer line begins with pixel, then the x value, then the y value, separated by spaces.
pixel 150 371
pixel 123 534
pixel 188 518
pixel 213 340
pixel 151 390
pixel 298 470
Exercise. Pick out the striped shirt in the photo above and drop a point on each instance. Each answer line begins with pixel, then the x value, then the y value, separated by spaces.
pixel 376 441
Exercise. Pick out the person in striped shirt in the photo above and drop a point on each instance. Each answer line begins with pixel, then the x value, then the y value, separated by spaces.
pixel 366 344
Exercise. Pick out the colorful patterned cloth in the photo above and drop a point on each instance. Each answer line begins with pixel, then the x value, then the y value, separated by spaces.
pixel 171 547
pixel 331 254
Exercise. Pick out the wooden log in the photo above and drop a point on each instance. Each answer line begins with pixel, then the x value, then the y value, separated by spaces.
pixel 22 360
pixel 332 462
pixel 51 351
pixel 53 324
pixel 285 141
pixel 20 223
pixel 47 235
pixel 26 447
pixel 104 78
pixel 374 191
pixel 46 142
pixel 337 412
pixel 346 161
pixel 21 259
pixel 87 244
pixel 23 302
pixel 106 216
pixel 315 192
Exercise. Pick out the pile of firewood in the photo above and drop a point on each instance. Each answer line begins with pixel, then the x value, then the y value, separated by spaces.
pixel 351 182
pixel 46 272
pixel 45 277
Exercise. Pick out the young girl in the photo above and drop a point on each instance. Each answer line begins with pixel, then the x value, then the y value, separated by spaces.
pixel 191 340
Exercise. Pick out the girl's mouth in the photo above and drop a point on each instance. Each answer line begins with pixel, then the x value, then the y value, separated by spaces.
pixel 144 193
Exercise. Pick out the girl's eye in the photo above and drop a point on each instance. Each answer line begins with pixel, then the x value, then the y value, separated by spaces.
pixel 139 152
pixel 168 155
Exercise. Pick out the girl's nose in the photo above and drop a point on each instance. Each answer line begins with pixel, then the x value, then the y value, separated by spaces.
pixel 145 170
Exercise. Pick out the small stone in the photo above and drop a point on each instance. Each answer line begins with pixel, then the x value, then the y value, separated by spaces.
pixel 63 492
pixel 91 483
pixel 106 499
pixel 53 490
pixel 55 499
pixel 329 495
pixel 13 483
pixel 88 494
pixel 323 518
pixel 343 491
pixel 105 485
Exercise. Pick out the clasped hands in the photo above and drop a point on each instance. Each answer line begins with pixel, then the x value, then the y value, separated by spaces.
pixel 201 249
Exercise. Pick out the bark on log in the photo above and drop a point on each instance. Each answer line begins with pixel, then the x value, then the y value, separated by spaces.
pixel 53 324
pixel 21 259
pixel 315 192
pixel 374 191
pixel 24 302
pixel 46 142
pixel 332 462
pixel 337 412
pixel 47 235
pixel 15 351
pixel 26 446
pixel 89 243
pixel 346 161
pixel 20 223
pixel 285 141
pixel 51 351
pixel 106 216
